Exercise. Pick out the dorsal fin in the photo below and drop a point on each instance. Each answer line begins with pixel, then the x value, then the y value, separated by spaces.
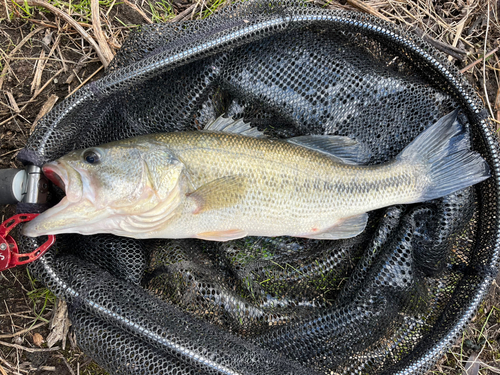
pixel 229 125
pixel 343 149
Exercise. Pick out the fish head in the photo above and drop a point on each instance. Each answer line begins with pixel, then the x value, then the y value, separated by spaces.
pixel 105 185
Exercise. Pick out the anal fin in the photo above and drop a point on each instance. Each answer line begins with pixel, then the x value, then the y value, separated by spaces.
pixel 344 228
pixel 223 235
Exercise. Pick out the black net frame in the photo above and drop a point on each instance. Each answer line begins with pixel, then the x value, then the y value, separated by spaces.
pixel 409 284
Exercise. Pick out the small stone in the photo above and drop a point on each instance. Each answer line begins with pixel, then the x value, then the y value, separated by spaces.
pixel 18 340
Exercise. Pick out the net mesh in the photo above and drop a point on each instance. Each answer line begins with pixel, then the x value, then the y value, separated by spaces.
pixel 390 300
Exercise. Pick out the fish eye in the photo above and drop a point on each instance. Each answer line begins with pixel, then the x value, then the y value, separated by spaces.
pixel 92 156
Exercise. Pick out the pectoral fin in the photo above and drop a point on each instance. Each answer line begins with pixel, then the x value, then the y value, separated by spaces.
pixel 221 193
pixel 226 235
pixel 344 228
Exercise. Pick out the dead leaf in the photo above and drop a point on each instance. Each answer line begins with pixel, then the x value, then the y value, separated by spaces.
pixel 47 39
pixel 37 78
pixel 38 339
pixel 59 325
pixel 472 365
pixel 12 102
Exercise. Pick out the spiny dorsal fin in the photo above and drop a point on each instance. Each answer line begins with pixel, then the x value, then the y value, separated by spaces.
pixel 229 125
pixel 343 149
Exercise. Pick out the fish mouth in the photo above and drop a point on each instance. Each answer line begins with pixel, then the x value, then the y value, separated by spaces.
pixel 56 175
pixel 74 213
pixel 65 177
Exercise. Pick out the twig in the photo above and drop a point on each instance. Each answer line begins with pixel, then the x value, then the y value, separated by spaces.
pixel 54 46
pixel 16 313
pixel 44 59
pixel 9 119
pixel 7 309
pixel 19 333
pixel 17 48
pixel 458 34
pixel 12 101
pixel 497 104
pixel 62 59
pixel 367 9
pixel 47 106
pixel 71 21
pixel 11 151
pixel 6 106
pixel 484 62
pixel 67 364
pixel 11 367
pixel 37 78
pixel 7 67
pixel 84 82
pixel 109 10
pixel 45 24
pixel 471 65
pixel 30 101
pixel 47 83
pixel 196 8
pixel 26 317
pixel 6 10
pixel 138 10
pixel 74 72
pixel 99 35
pixel 45 368
pixel 455 52
pixel 29 350
pixel 185 13
pixel 10 271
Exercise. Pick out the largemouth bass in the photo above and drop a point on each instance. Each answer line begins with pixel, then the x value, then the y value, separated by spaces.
pixel 228 181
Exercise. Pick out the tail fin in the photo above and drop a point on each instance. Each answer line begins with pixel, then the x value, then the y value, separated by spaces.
pixel 444 149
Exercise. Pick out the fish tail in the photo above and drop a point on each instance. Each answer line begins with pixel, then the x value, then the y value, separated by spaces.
pixel 444 151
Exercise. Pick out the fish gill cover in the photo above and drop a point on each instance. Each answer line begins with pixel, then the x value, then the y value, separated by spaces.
pixel 390 300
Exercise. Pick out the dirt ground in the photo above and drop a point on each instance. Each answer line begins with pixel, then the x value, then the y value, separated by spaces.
pixel 43 59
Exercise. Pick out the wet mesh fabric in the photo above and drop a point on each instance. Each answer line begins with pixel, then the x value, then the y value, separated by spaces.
pixel 389 301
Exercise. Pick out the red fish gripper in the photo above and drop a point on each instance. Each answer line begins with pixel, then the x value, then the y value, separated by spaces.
pixel 9 252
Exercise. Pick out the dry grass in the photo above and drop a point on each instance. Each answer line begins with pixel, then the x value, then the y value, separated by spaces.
pixel 478 351
pixel 473 27
pixel 50 49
